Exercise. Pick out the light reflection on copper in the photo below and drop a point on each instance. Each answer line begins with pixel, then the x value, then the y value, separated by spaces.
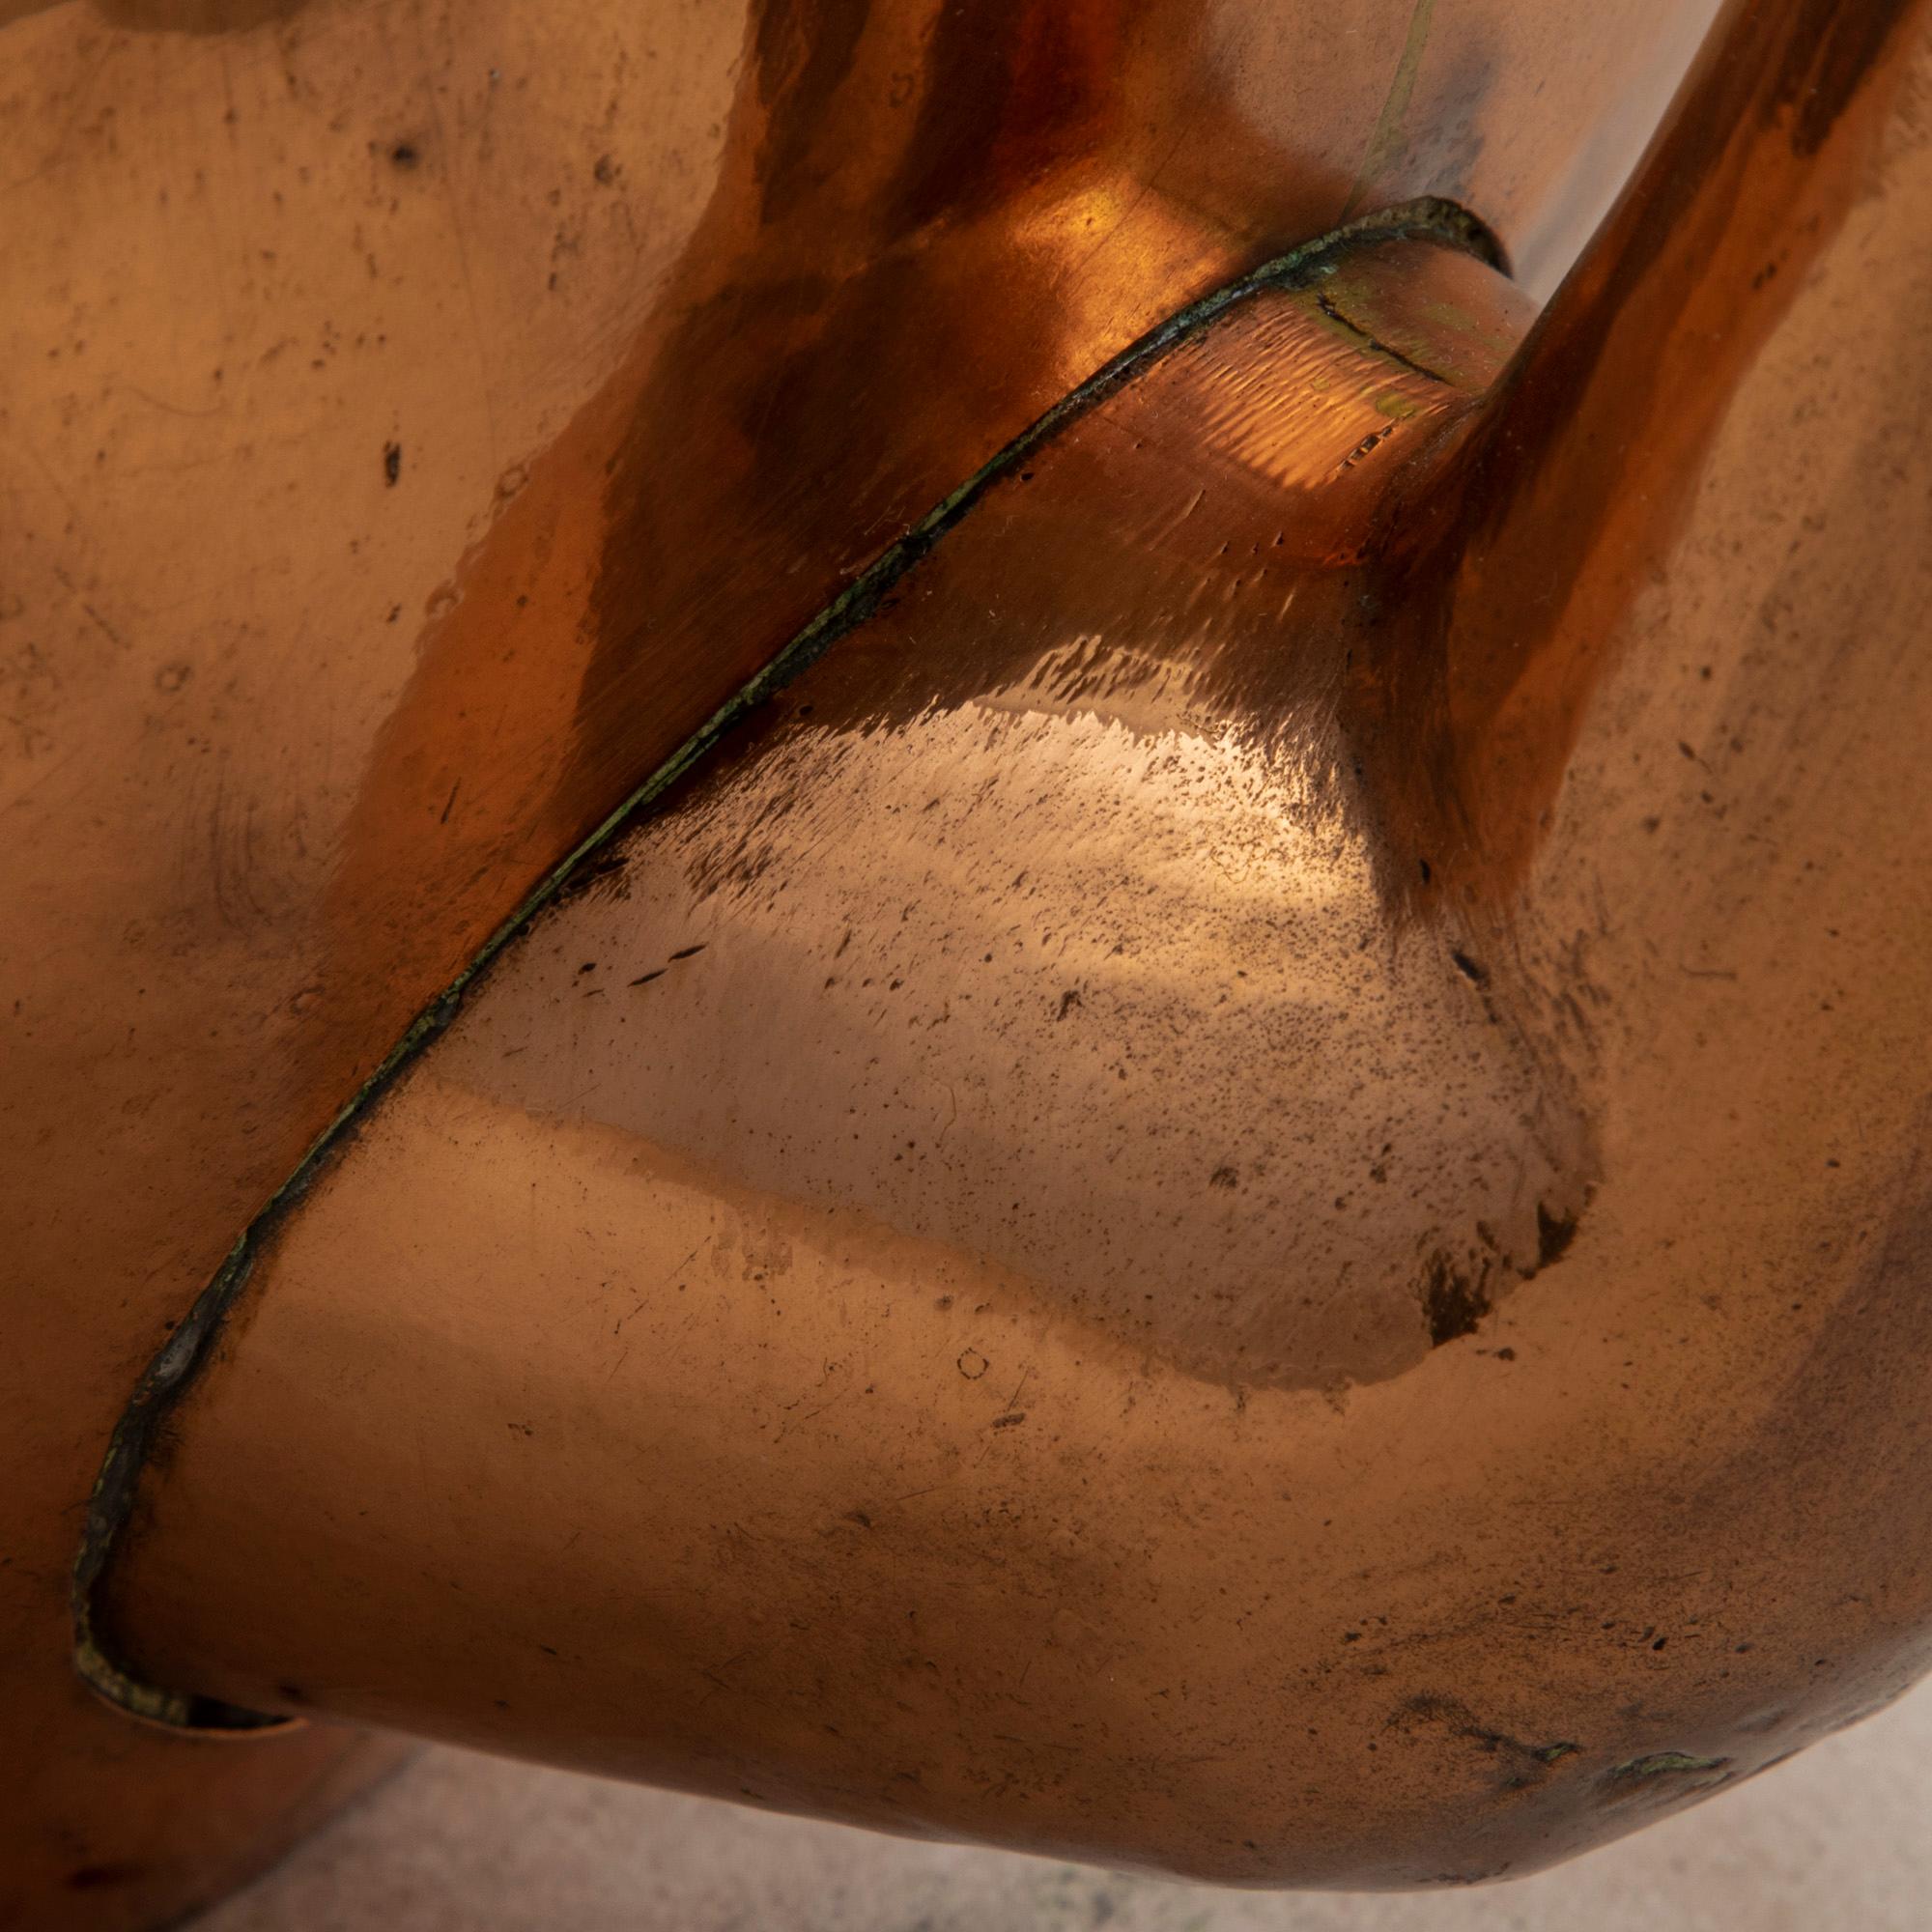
pixel 285 733
pixel 843 1372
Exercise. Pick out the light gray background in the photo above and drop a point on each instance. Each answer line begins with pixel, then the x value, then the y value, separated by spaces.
pixel 1837 1837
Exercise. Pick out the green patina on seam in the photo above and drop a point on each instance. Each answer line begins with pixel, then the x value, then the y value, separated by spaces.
pixel 174 1368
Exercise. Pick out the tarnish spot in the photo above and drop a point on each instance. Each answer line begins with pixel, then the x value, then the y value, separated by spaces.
pixel 1454 1301
pixel 1553 1235
pixel 1455 1298
pixel 1520 1765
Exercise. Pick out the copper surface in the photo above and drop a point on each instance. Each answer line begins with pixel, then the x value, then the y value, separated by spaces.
pixel 416 422
pixel 1244 1190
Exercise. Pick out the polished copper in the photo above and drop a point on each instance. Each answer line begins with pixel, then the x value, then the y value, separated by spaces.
pixel 418 425
pixel 1241 1190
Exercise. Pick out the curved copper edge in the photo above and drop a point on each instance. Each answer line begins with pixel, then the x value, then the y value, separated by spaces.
pixel 175 1369
pixel 545 1471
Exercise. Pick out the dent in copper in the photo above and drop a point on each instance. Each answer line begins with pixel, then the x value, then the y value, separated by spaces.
pixel 340 343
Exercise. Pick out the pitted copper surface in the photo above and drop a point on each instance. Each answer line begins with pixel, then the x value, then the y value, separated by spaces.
pixel 418 421
pixel 1105 990
pixel 822 1362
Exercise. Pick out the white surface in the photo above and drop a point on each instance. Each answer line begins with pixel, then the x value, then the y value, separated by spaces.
pixel 1837 1837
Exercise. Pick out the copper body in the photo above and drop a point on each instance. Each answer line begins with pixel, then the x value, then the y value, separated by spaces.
pixel 1279 1230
